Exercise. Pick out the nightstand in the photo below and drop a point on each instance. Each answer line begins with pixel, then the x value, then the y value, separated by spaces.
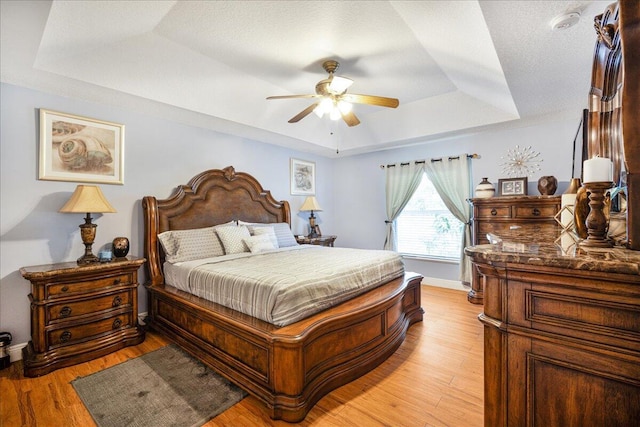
pixel 80 312
pixel 321 241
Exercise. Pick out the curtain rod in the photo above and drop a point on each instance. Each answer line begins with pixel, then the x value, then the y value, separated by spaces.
pixel 469 156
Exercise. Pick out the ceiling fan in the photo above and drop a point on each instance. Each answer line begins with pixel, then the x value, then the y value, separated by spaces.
pixel 333 99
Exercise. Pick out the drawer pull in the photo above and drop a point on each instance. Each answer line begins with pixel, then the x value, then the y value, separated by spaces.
pixel 535 212
pixel 65 311
pixel 116 301
pixel 65 336
pixel 116 324
pixel 116 282
pixel 65 288
pixel 494 212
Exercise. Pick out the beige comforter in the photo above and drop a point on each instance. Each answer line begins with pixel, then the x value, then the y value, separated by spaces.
pixel 288 284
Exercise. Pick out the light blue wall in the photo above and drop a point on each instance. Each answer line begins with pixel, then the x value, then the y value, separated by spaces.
pixel 359 181
pixel 161 154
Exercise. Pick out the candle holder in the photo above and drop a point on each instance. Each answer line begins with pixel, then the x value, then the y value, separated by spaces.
pixel 597 222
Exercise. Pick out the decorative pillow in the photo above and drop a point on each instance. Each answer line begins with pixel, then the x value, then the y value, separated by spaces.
pixel 187 245
pixel 232 238
pixel 283 232
pixel 259 243
pixel 266 231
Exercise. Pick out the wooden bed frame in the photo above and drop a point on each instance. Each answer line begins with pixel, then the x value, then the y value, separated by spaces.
pixel 287 368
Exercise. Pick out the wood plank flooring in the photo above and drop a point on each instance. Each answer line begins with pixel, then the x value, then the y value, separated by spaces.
pixel 434 379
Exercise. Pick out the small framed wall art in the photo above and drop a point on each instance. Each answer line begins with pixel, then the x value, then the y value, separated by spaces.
pixel 80 149
pixel 303 178
pixel 513 186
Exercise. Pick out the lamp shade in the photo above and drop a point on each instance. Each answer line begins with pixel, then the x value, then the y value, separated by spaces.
pixel 87 198
pixel 310 204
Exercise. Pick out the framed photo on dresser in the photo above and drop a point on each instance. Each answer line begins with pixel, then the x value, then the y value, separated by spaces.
pixel 512 186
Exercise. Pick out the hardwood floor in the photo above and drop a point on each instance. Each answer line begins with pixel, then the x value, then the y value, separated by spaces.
pixel 434 379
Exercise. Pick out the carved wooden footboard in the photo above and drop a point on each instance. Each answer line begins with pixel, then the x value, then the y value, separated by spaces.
pixel 287 368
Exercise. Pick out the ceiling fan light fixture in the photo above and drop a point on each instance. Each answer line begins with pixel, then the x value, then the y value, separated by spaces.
pixel 339 84
pixel 345 107
pixel 335 114
pixel 325 107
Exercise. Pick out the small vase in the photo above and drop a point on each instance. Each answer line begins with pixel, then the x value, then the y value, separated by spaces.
pixel 574 186
pixel 120 247
pixel 485 189
pixel 547 185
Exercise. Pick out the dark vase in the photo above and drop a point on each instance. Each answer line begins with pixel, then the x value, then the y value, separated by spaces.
pixel 120 247
pixel 547 185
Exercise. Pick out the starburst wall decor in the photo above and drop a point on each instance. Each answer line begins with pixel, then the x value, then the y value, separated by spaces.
pixel 520 162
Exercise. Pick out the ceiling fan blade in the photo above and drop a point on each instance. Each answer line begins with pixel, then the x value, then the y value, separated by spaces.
pixel 302 114
pixel 350 119
pixel 293 96
pixel 380 101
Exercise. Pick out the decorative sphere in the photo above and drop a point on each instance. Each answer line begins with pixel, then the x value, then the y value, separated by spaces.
pixel 120 247
pixel 547 185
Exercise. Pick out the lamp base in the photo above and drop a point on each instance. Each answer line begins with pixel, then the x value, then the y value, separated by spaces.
pixel 88 234
pixel 88 259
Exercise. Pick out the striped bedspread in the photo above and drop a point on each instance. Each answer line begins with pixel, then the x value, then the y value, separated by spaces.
pixel 289 284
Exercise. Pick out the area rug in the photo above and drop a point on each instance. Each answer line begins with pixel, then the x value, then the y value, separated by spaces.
pixel 166 387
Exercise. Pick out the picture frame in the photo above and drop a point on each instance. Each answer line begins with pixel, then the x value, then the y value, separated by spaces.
pixel 303 177
pixel 80 149
pixel 513 186
pixel 317 230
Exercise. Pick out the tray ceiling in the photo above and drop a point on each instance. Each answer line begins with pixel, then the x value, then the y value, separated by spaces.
pixel 455 66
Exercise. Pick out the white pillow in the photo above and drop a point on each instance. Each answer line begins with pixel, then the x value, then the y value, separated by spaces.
pixel 232 238
pixel 186 245
pixel 266 231
pixel 259 243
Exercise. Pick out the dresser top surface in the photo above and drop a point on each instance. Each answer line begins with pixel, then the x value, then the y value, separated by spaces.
pixel 46 270
pixel 563 254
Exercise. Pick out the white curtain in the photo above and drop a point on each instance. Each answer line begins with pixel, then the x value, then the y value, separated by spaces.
pixel 451 178
pixel 402 179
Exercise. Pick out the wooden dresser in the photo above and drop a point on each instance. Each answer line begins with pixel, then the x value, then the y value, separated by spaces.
pixel 516 218
pixel 561 335
pixel 79 313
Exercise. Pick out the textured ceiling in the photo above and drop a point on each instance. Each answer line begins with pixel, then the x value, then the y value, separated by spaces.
pixel 455 66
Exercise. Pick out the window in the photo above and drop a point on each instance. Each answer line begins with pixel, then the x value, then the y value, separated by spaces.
pixel 426 228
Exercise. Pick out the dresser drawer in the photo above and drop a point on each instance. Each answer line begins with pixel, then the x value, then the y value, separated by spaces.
pixel 577 313
pixel 68 310
pixel 535 212
pixel 488 212
pixel 58 290
pixel 87 331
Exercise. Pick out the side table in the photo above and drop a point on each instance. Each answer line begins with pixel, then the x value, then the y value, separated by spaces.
pixel 321 241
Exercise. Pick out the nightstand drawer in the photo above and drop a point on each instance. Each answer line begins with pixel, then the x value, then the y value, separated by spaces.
pixel 493 212
pixel 57 290
pixel 535 212
pixel 75 333
pixel 68 310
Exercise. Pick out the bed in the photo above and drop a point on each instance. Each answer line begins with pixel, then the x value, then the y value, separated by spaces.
pixel 288 368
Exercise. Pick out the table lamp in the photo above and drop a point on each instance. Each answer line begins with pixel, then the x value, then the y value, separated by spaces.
pixel 87 199
pixel 311 204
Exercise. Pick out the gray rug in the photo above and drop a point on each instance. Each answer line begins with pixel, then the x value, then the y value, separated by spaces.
pixel 166 387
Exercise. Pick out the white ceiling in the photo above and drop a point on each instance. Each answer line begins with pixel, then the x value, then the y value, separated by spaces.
pixel 455 66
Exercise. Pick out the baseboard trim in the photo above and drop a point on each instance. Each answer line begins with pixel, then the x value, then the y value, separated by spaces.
pixel 444 283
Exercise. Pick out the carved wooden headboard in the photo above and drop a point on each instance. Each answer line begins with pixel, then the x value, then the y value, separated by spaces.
pixel 210 198
pixel 614 102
